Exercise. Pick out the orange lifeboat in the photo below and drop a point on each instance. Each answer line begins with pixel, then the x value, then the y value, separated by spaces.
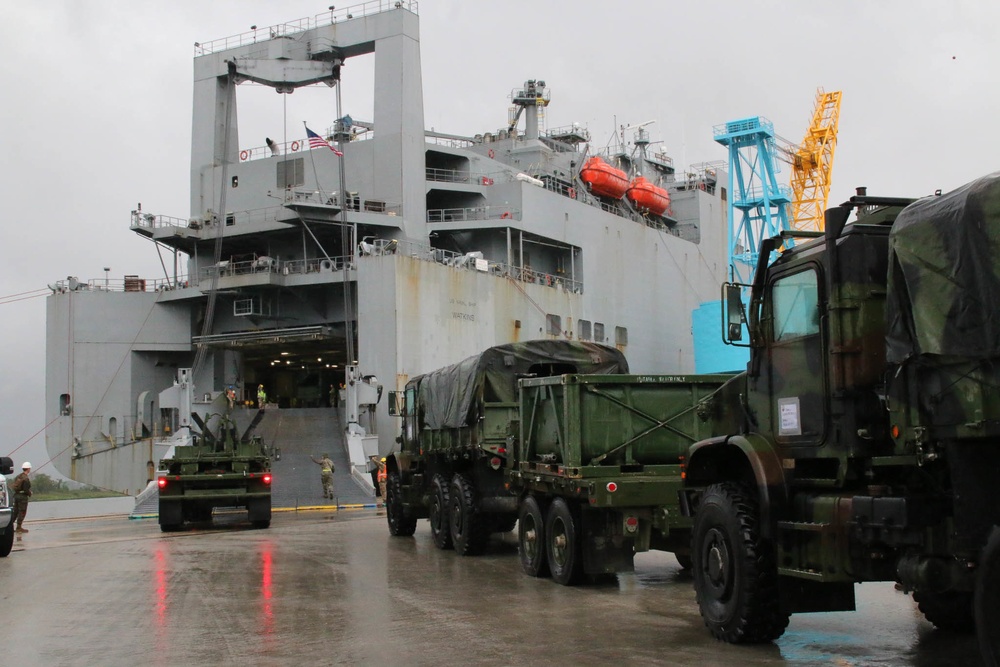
pixel 648 197
pixel 603 179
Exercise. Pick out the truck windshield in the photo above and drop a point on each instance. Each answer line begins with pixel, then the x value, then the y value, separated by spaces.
pixel 795 307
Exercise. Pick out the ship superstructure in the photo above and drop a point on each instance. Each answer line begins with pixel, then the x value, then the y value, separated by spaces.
pixel 411 250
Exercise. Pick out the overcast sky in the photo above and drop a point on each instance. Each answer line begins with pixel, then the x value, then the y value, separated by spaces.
pixel 96 110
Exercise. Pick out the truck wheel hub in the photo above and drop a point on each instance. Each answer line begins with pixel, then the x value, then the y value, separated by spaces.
pixel 718 561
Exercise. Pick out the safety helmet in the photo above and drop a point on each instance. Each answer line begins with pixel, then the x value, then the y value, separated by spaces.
pixel 26 465
pixel 326 456
pixel 260 386
pixel 383 459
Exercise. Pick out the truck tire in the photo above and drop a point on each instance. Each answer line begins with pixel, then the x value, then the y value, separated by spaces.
pixel 950 611
pixel 531 545
pixel 562 543
pixel 987 601
pixel 259 512
pixel 734 570
pixel 470 530
pixel 7 540
pixel 438 512
pixel 400 523
pixel 171 517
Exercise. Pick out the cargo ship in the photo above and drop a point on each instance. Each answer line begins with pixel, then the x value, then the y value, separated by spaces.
pixel 375 247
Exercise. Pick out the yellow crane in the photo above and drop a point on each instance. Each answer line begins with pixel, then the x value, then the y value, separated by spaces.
pixel 812 163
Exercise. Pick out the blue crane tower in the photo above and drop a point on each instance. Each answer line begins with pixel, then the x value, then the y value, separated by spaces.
pixel 758 206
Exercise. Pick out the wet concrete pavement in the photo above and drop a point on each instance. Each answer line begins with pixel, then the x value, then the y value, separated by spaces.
pixel 324 587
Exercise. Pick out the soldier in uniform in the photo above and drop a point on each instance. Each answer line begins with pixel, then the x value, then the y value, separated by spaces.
pixel 22 491
pixel 326 466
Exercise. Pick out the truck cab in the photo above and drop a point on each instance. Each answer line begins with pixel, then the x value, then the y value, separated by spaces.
pixel 868 449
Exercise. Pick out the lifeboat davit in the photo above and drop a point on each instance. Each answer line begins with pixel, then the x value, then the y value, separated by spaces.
pixel 648 197
pixel 603 179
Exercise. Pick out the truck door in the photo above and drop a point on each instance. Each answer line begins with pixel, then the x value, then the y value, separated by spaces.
pixel 797 366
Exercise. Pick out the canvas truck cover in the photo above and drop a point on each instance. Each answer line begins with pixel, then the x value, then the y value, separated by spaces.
pixel 447 396
pixel 944 275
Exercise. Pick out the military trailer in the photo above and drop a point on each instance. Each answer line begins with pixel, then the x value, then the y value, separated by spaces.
pixel 597 468
pixel 220 469
pixel 6 510
pixel 869 446
pixel 458 425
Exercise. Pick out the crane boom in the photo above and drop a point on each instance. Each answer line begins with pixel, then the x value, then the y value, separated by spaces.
pixel 812 163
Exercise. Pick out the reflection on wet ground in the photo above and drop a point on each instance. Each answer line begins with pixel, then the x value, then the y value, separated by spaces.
pixel 334 588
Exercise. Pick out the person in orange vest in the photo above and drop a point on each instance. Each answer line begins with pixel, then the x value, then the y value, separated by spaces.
pixel 381 478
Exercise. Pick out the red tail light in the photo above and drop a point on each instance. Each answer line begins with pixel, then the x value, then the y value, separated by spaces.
pixel 161 482
pixel 267 479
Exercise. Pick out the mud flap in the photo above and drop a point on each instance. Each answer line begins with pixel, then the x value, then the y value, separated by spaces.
pixel 171 514
pixel 987 601
pixel 606 550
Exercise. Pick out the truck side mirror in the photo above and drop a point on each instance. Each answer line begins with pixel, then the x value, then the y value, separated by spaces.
pixel 6 465
pixel 734 312
pixel 396 403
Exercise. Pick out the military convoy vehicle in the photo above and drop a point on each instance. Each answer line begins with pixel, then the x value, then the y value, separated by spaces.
pixel 458 423
pixel 219 469
pixel 860 444
pixel 6 508
pixel 870 439
pixel 553 436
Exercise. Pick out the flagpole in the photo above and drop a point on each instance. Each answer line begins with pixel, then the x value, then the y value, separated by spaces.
pixel 347 237
pixel 312 159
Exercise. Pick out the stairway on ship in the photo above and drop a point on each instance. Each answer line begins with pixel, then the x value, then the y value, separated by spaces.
pixel 301 433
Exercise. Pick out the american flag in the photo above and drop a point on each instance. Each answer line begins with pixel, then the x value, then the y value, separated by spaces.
pixel 316 141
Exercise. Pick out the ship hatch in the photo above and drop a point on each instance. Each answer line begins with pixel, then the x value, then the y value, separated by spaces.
pixel 297 366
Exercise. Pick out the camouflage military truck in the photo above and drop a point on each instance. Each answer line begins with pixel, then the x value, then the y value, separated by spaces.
pixel 220 469
pixel 6 510
pixel 870 442
pixel 458 422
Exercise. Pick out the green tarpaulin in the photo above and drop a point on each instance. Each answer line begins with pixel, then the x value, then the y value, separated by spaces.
pixel 944 275
pixel 447 397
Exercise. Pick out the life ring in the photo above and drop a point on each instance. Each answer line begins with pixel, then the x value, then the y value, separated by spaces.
pixel 491 153
pixel 295 146
pixel 571 193
pixel 505 215
pixel 244 155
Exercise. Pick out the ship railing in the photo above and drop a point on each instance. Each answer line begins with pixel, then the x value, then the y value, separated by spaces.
pixel 314 265
pixel 575 131
pixel 301 25
pixel 269 265
pixel 450 142
pixel 783 194
pixel 473 213
pixel 472 261
pixel 152 221
pixel 297 146
pixel 353 200
pixel 460 176
pixel 126 284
